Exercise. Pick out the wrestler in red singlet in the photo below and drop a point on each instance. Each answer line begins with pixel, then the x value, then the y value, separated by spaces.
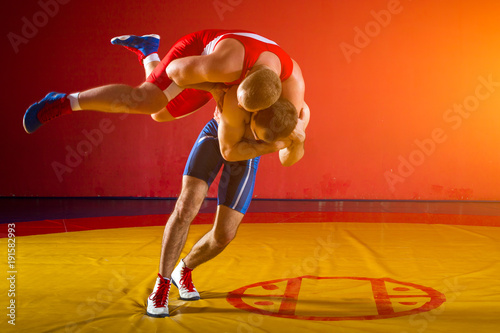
pixel 187 101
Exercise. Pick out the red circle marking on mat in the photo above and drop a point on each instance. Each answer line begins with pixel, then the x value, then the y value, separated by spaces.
pixel 288 301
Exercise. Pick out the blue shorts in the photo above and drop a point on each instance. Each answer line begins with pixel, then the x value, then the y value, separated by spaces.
pixel 237 178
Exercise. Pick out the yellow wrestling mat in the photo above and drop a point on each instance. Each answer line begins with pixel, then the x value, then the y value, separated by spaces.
pixel 296 277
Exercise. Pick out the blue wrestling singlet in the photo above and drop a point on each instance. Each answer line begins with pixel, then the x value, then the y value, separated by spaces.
pixel 237 178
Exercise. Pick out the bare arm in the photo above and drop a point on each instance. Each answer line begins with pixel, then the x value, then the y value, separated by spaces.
pixel 197 69
pixel 247 149
pixel 293 90
pixel 223 65
pixel 292 154
pixel 206 86
pixel 295 149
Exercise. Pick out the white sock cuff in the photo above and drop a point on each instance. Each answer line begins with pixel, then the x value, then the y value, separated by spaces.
pixel 172 91
pixel 73 99
pixel 150 58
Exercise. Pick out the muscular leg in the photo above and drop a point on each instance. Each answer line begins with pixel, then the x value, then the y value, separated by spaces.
pixel 192 195
pixel 119 98
pixel 215 241
pixel 162 115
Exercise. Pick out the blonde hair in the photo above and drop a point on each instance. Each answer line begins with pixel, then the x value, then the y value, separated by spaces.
pixel 260 89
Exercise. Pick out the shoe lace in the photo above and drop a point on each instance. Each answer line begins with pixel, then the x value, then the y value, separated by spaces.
pixel 161 294
pixel 51 111
pixel 186 279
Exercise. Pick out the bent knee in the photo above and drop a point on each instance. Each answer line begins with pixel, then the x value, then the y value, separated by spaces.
pixel 185 211
pixel 146 99
pixel 223 239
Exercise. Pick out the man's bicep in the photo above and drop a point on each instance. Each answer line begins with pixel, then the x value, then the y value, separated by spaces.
pixel 187 71
pixel 294 88
pixel 198 69
pixel 305 115
pixel 229 137
pixel 294 92
pixel 232 122
pixel 232 126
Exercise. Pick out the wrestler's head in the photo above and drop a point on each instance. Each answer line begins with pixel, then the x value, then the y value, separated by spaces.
pixel 275 122
pixel 260 89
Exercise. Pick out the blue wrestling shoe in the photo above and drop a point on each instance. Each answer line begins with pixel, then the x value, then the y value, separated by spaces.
pixel 140 45
pixel 50 107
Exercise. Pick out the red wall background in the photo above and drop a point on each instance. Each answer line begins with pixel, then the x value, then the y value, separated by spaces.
pixel 404 95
